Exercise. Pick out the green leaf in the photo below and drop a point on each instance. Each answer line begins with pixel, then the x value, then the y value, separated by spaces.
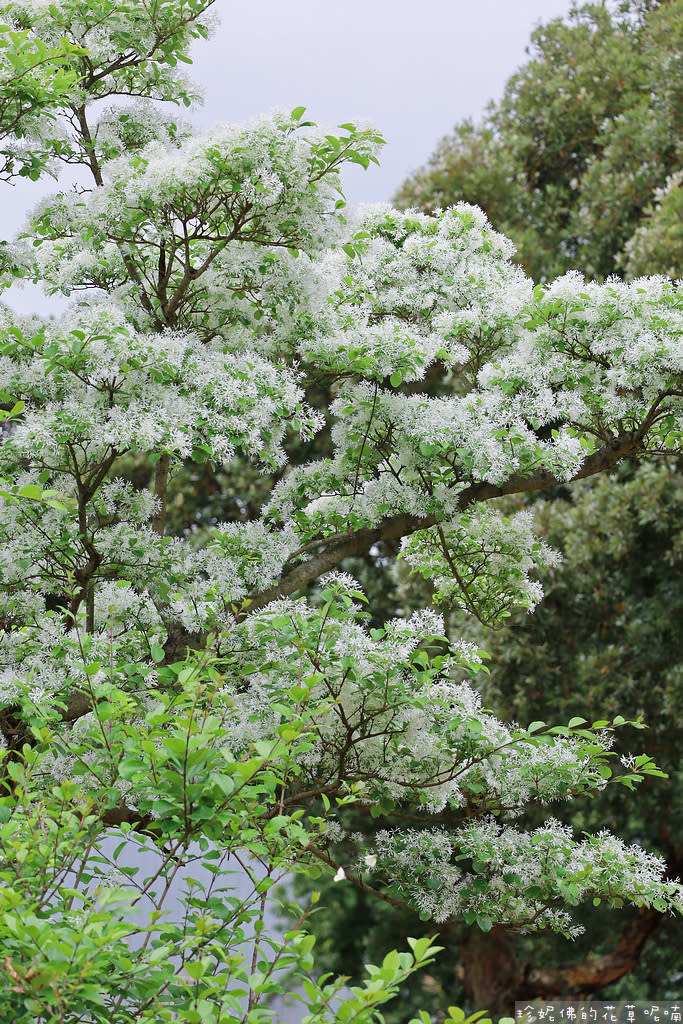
pixel 423 947
pixel 31 491
pixel 196 969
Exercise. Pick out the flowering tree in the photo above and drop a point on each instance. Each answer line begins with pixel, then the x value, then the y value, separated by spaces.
pixel 579 163
pixel 219 695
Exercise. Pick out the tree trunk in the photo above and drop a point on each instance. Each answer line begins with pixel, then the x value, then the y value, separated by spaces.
pixel 491 971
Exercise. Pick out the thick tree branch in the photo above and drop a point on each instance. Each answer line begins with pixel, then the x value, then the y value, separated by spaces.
pixel 393 527
pixel 593 974
pixel 495 978
pixel 160 487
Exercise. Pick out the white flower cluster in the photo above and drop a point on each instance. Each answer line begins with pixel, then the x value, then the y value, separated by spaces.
pixel 247 185
pixel 379 717
pixel 596 352
pixel 487 870
pixel 494 556
pixel 536 377
pixel 245 558
pixel 128 129
pixel 95 380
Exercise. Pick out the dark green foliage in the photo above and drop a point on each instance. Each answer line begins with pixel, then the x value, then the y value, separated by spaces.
pixel 580 164
pixel 608 636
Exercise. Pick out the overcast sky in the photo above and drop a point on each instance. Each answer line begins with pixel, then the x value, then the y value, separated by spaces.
pixel 414 67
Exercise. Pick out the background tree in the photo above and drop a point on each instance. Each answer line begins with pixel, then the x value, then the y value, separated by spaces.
pixel 657 243
pixel 174 688
pixel 606 634
pixel 581 146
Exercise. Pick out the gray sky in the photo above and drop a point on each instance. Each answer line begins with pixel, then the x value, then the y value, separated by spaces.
pixel 414 67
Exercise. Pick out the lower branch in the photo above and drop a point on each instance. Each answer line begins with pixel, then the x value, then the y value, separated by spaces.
pixel 591 975
pixel 393 527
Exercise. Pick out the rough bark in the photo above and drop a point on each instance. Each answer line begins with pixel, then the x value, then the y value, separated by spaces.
pixel 160 486
pixel 490 970
pixel 587 977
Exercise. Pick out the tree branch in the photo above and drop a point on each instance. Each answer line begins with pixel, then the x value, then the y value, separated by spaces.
pixel 342 546
pixel 160 486
pixel 593 974
pixel 590 975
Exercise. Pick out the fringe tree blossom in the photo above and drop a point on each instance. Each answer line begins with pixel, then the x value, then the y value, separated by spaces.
pixel 388 374
pixel 470 874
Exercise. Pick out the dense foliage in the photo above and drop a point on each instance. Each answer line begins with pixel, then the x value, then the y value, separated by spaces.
pixel 172 691
pixel 542 163
pixel 607 635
